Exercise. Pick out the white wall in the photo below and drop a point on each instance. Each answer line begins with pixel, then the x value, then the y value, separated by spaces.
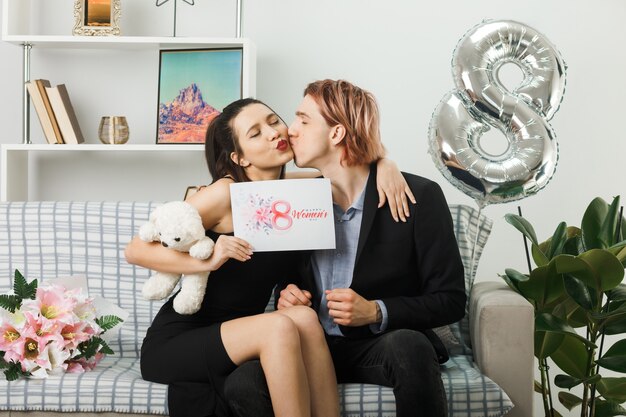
pixel 398 49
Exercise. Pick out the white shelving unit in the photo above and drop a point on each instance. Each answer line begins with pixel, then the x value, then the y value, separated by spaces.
pixel 17 159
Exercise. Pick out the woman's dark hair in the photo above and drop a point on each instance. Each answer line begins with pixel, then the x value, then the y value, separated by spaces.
pixel 221 141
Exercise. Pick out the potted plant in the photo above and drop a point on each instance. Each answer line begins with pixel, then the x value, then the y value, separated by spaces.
pixel 577 284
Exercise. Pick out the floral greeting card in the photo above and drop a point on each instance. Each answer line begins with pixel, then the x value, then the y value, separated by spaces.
pixel 284 214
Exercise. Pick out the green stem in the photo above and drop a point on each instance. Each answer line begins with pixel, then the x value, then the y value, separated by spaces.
pixel 591 336
pixel 544 392
pixel 592 405
pixel 547 368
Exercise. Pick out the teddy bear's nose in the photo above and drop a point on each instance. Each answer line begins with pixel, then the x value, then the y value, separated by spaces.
pixel 164 244
pixel 177 239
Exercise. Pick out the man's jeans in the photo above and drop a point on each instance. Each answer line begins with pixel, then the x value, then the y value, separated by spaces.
pixel 402 359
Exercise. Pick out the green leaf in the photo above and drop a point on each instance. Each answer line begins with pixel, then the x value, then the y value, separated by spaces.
pixel 597 268
pixel 11 374
pixel 615 328
pixel 571 312
pixel 108 322
pixel 611 316
pixel 572 357
pixel 568 400
pixel 544 286
pixel 558 240
pixel 89 348
pixel 613 389
pixel 511 284
pixel 515 275
pixel 9 302
pixel 566 381
pixel 607 230
pixel 592 223
pixel 539 256
pixel 607 269
pixel 22 289
pixel 579 292
pixel 618 293
pixel 105 348
pixel 574 265
pixel 619 252
pixel 609 409
pixel 615 358
pixel 546 343
pixel 548 323
pixel 615 325
pixel 573 245
pixel 14 371
pixel 537 387
pixel 618 245
pixel 523 226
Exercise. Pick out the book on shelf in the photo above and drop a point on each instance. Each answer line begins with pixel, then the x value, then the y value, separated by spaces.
pixel 64 113
pixel 37 92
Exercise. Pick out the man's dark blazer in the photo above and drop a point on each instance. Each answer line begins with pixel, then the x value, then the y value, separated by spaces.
pixel 415 267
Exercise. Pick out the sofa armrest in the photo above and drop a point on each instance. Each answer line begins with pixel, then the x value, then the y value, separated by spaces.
pixel 502 332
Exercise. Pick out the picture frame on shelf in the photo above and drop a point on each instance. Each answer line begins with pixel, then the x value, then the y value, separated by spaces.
pixel 194 87
pixel 97 17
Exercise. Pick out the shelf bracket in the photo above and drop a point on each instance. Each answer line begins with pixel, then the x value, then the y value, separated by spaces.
pixel 25 96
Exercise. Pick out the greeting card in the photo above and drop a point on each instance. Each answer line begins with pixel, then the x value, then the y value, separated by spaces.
pixel 284 214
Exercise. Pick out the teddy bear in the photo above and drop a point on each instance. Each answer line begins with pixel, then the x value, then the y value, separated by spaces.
pixel 178 226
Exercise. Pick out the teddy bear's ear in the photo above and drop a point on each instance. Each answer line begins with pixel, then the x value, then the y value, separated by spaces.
pixel 155 214
pixel 149 233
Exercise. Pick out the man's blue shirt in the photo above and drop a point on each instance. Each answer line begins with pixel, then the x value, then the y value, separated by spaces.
pixel 333 268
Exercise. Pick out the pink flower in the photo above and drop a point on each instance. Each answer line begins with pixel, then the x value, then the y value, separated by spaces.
pixel 9 337
pixel 51 303
pixel 81 365
pixel 262 215
pixel 77 333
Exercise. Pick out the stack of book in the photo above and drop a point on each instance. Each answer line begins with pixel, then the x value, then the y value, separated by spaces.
pixel 55 112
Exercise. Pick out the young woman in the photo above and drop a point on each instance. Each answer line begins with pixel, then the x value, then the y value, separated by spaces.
pixel 194 354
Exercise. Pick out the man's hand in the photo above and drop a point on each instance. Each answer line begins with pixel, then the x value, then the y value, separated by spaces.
pixel 293 296
pixel 348 308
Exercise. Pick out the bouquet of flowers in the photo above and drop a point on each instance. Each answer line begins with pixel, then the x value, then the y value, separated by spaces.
pixel 50 329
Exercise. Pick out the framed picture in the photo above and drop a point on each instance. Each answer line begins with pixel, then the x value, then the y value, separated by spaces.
pixel 97 17
pixel 194 86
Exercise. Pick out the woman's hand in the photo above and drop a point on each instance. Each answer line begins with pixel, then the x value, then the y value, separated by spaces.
pixel 228 247
pixel 392 187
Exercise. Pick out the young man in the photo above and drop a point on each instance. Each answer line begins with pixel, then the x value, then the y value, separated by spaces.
pixel 386 284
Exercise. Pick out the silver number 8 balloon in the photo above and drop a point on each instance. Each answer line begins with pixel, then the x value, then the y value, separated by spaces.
pixel 480 101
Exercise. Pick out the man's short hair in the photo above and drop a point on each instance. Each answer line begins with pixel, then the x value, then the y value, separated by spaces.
pixel 356 110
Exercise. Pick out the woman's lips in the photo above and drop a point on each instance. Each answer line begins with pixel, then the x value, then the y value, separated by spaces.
pixel 282 145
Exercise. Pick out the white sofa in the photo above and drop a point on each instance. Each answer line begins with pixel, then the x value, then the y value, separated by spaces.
pixel 49 239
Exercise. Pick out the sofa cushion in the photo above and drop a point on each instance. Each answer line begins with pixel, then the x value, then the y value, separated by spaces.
pixel 471 230
pixel 469 393
pixel 119 387
pixel 114 386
